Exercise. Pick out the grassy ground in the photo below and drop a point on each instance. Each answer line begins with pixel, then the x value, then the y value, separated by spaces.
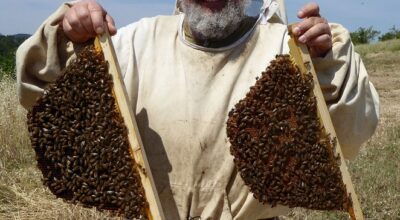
pixel 375 173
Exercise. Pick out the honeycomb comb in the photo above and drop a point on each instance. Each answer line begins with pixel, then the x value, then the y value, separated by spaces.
pixel 283 141
pixel 86 139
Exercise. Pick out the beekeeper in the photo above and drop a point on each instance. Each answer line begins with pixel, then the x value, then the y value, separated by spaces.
pixel 185 72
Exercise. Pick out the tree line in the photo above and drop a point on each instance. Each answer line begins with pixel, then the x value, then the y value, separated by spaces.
pixel 8 47
pixel 367 35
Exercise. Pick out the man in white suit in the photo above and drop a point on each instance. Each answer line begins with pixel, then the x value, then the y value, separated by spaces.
pixel 183 74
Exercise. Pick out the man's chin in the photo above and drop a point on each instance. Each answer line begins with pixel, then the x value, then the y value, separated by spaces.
pixel 207 24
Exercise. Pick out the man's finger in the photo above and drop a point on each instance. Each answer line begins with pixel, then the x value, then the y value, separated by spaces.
pixel 324 40
pixel 309 10
pixel 72 34
pixel 111 25
pixel 306 24
pixel 86 20
pixel 67 28
pixel 97 14
pixel 315 31
pixel 75 23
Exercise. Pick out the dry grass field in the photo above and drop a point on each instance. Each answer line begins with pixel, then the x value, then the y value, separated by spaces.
pixel 375 172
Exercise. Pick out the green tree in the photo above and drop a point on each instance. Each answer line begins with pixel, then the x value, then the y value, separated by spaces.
pixel 393 33
pixel 8 47
pixel 7 65
pixel 364 35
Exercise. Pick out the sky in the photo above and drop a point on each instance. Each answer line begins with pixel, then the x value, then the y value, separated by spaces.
pixel 25 16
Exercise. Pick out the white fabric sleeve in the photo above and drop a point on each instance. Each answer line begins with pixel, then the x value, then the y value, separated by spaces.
pixel 41 58
pixel 352 99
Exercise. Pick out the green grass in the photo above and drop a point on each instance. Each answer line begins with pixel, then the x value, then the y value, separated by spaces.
pixel 379 47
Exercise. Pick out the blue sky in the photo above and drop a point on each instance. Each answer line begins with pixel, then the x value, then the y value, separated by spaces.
pixel 24 16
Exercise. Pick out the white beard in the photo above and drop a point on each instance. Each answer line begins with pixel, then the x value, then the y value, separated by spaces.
pixel 214 25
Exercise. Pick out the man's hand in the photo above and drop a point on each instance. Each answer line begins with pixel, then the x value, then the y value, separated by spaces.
pixel 313 30
pixel 85 20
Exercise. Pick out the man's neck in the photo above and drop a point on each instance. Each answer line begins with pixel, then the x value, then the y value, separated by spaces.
pixel 243 28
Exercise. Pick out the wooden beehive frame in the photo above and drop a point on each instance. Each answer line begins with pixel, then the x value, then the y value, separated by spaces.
pixel 103 43
pixel 302 58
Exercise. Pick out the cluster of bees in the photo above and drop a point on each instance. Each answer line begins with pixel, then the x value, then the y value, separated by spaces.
pixel 280 147
pixel 81 141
